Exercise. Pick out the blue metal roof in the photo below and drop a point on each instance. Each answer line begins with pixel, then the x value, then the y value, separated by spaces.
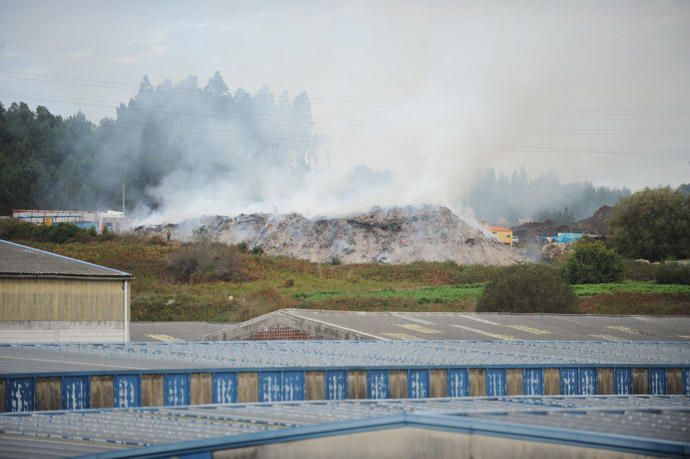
pixel 643 424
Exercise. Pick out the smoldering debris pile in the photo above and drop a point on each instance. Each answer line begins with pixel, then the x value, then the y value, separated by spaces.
pixel 392 235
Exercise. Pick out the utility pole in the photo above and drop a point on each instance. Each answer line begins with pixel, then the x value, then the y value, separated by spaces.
pixel 123 199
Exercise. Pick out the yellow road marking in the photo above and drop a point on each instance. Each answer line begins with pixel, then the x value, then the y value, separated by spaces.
pixel 166 338
pixel 532 330
pixel 419 328
pixel 624 329
pixel 482 332
pixel 400 336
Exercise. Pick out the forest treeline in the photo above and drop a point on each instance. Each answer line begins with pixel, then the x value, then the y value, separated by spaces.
pixel 47 161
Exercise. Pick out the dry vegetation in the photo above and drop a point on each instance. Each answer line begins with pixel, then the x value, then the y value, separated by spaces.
pixel 246 285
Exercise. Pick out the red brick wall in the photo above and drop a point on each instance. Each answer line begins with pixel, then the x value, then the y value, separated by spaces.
pixel 281 333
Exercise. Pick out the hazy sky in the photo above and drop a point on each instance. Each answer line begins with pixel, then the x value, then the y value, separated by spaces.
pixel 432 91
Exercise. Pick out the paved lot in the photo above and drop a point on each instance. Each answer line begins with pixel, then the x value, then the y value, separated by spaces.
pixel 172 331
pixel 439 325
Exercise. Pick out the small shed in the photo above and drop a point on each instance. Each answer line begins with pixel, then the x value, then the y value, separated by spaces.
pixel 50 298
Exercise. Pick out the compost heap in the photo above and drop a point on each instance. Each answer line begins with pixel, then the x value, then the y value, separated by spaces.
pixel 392 235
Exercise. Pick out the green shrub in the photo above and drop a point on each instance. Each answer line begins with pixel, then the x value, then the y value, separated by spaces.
pixel 206 262
pixel 17 230
pixel 593 263
pixel 528 288
pixel 639 271
pixel 673 273
pixel 653 224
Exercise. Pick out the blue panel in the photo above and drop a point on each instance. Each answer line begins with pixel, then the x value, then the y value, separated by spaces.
pixel 657 381
pixel 202 455
pixel 622 381
pixel 533 381
pixel 176 390
pixel 269 386
pixel 126 391
pixel 224 388
pixel 293 385
pixel 686 381
pixel 495 382
pixel 569 381
pixel 75 393
pixel 377 384
pixel 20 394
pixel 336 385
pixel 418 384
pixel 458 383
pixel 587 381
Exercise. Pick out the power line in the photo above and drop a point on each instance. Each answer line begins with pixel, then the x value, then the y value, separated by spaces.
pixel 282 117
pixel 129 87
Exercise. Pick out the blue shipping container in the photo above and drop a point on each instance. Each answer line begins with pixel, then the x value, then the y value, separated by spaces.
pixel 126 391
pixel 657 381
pixel 269 386
pixel 622 381
pixel 533 381
pixel 224 388
pixel 418 384
pixel 458 383
pixel 587 381
pixel 20 395
pixel 176 392
pixel 293 385
pixel 495 382
pixel 336 385
pixel 377 384
pixel 569 381
pixel 75 393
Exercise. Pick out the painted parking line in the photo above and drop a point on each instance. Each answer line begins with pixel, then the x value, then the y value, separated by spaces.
pixel 478 319
pixel 608 337
pixel 532 330
pixel 400 336
pixel 624 329
pixel 165 338
pixel 419 329
pixel 482 332
pixel 684 336
pixel 412 319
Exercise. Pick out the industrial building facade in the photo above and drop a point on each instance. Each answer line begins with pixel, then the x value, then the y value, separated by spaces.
pixel 49 298
pixel 81 376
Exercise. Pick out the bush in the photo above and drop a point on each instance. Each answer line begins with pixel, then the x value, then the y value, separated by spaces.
pixel 653 224
pixel 528 288
pixel 593 263
pixel 207 261
pixel 17 230
pixel 673 273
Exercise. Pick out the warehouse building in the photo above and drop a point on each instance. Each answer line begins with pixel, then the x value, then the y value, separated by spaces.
pixel 564 427
pixel 79 376
pixel 50 298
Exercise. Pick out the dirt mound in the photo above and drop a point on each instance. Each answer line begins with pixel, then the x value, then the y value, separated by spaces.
pixel 392 235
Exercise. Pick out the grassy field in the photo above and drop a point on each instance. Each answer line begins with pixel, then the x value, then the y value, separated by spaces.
pixel 280 282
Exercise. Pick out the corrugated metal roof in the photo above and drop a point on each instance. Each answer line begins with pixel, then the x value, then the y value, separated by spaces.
pixel 656 418
pixel 21 359
pixel 20 261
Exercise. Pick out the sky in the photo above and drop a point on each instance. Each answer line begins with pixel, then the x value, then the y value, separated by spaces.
pixel 432 93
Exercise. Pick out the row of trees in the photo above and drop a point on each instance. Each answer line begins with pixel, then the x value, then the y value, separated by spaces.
pixel 496 196
pixel 47 161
